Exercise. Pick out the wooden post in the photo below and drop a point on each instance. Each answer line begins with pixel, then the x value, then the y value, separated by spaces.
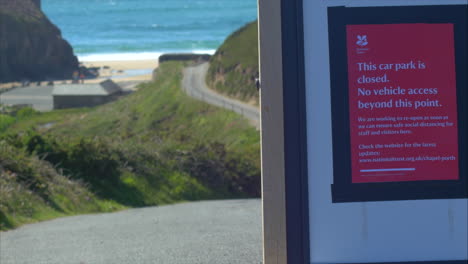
pixel 271 94
pixel 284 161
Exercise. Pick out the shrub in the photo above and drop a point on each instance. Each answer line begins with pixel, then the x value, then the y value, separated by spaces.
pixel 26 112
pixel 222 170
pixel 5 122
pixel 89 160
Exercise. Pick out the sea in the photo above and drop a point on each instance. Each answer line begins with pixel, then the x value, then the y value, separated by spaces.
pixel 102 30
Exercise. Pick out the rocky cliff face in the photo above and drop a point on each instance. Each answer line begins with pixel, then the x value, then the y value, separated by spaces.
pixel 31 47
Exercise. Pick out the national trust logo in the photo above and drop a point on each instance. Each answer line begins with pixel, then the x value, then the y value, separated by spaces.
pixel 362 40
pixel 362 43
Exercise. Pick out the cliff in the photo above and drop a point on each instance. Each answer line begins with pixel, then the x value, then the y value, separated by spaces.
pixel 234 66
pixel 31 47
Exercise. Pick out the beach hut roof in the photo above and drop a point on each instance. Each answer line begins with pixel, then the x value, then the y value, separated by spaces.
pixel 104 88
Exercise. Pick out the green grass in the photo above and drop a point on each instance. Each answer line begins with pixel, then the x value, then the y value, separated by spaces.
pixel 6 121
pixel 153 147
pixel 10 116
pixel 32 190
pixel 234 66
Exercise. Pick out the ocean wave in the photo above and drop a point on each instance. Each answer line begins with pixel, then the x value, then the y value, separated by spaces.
pixel 134 56
pixel 144 29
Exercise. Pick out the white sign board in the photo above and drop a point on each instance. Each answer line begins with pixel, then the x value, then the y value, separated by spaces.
pixel 387 53
pixel 385 125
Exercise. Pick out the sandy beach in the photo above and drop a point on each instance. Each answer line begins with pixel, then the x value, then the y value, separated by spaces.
pixel 118 71
pixel 124 64
pixel 124 70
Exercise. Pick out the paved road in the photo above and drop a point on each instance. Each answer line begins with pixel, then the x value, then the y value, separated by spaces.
pixel 212 232
pixel 40 97
pixel 194 84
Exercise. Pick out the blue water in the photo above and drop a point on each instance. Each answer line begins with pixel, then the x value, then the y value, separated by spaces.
pixel 140 28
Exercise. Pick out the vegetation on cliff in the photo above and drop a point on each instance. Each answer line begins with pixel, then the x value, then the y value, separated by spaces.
pixel 33 189
pixel 234 66
pixel 156 146
pixel 31 47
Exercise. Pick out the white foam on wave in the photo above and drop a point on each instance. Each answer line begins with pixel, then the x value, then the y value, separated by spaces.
pixel 134 56
pixel 120 56
pixel 211 52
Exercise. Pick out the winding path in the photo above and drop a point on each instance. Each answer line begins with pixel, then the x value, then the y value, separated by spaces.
pixel 194 85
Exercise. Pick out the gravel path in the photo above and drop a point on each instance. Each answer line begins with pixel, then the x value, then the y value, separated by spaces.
pixel 194 85
pixel 211 232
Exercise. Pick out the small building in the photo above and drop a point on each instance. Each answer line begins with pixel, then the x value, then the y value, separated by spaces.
pixel 85 95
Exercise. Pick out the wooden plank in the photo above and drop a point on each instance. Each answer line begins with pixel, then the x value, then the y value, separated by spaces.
pixel 272 133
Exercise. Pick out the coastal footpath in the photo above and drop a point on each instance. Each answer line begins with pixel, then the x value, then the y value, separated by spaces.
pixel 194 85
pixel 31 47
pixel 234 67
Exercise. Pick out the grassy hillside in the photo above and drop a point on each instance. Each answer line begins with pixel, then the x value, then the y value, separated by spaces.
pixel 32 189
pixel 153 147
pixel 234 66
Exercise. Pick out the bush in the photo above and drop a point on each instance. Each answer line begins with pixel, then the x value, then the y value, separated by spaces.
pixel 222 170
pixel 88 160
pixel 26 112
pixel 5 122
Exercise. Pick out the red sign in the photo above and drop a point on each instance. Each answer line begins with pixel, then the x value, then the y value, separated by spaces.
pixel 402 102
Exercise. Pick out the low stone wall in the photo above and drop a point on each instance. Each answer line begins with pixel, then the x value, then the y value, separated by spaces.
pixel 78 101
